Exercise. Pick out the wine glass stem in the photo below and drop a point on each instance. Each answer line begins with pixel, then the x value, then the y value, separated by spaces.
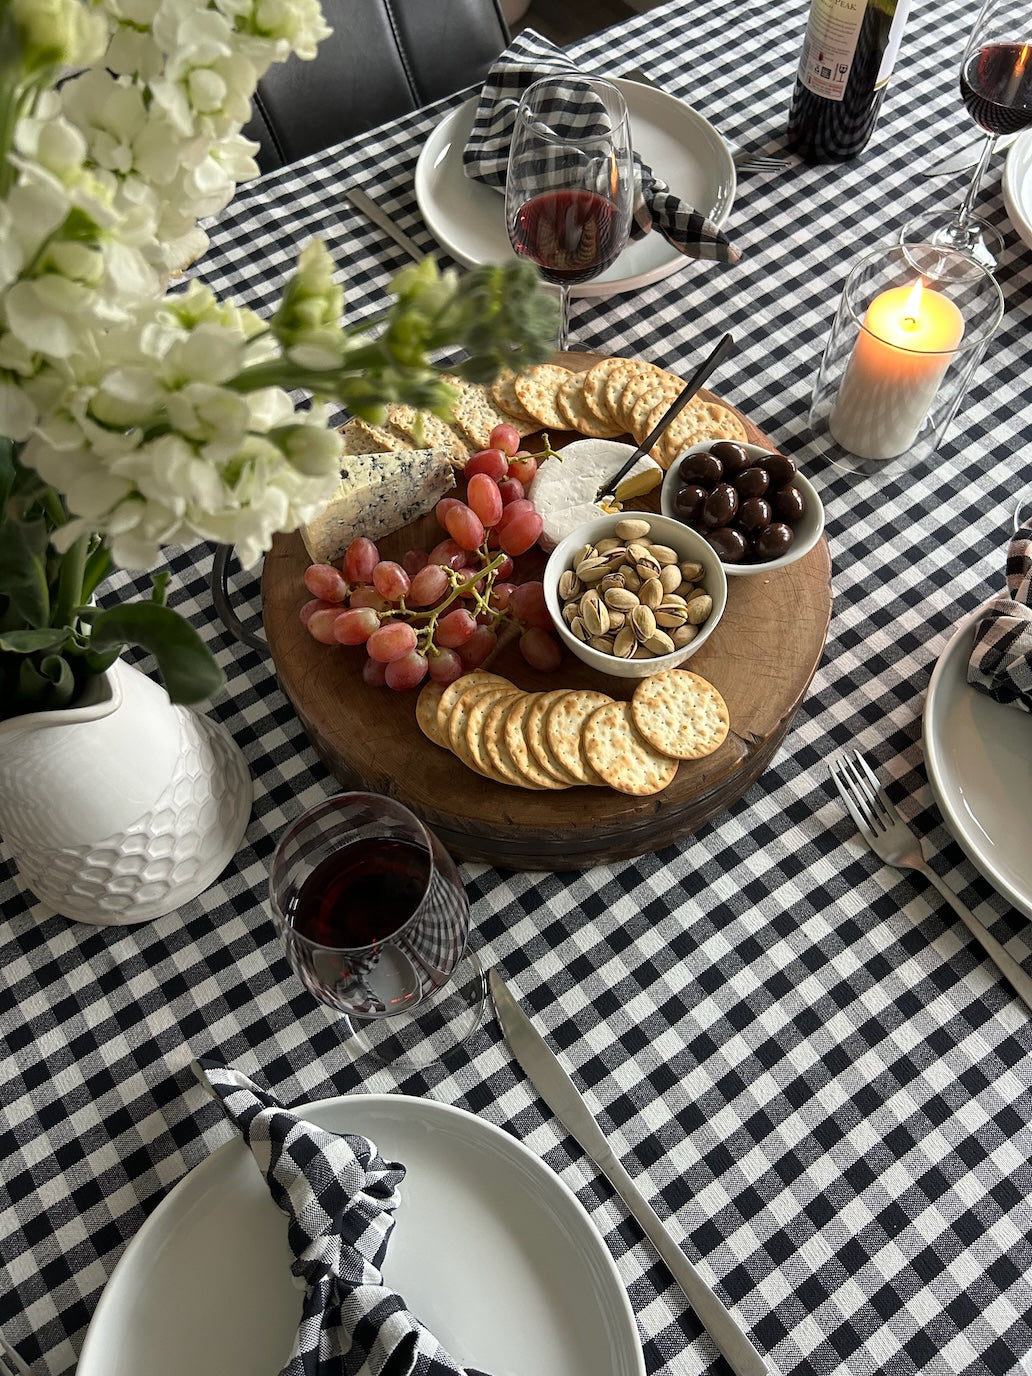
pixel 563 339
pixel 967 205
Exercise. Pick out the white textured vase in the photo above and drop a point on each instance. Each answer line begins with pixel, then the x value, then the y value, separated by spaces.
pixel 123 807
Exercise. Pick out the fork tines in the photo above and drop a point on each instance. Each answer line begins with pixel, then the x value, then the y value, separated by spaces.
pixel 10 1362
pixel 861 792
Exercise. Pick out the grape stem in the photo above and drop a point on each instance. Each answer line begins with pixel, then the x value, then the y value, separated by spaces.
pixel 459 588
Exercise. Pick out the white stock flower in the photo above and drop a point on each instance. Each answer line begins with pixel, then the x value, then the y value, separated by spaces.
pixel 270 30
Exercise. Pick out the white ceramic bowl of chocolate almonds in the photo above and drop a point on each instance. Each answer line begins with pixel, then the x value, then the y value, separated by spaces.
pixel 633 593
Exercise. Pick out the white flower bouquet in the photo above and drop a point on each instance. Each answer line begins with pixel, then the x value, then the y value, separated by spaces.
pixel 136 417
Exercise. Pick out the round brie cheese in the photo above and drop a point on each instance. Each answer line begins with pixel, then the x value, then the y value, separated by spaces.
pixel 564 489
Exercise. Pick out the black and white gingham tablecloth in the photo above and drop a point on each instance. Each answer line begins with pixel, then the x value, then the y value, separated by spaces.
pixel 809 1068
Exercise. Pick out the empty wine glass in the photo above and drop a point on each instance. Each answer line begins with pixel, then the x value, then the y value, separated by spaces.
pixel 996 87
pixel 375 921
pixel 569 188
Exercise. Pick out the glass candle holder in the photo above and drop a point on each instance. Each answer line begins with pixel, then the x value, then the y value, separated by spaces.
pixel 911 327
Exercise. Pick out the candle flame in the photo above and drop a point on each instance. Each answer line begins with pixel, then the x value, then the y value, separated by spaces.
pixel 912 307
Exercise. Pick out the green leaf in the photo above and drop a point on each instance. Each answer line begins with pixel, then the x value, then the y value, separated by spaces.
pixel 23 569
pixel 187 667
pixel 28 642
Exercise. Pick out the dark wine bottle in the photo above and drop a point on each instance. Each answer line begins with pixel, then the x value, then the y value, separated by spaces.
pixel 848 54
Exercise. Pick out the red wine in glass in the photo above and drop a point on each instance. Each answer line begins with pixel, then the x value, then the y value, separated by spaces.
pixel 569 185
pixel 996 85
pixel 374 919
pixel 572 236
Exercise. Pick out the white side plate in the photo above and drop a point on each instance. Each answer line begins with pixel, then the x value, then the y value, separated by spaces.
pixel 1017 187
pixel 467 218
pixel 979 758
pixel 490 1250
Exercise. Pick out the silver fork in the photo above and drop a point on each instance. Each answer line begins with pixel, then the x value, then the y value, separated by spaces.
pixel 745 161
pixel 10 1363
pixel 893 842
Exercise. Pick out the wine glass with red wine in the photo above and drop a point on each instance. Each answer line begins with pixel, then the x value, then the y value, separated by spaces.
pixel 569 188
pixel 996 87
pixel 375 922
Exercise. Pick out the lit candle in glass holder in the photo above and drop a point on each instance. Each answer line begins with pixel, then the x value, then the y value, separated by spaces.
pixel 909 336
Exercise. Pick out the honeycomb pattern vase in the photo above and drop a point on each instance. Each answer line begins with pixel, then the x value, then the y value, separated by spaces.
pixel 124 807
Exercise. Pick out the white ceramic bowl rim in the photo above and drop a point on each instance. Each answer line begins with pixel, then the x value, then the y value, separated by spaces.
pixel 665 530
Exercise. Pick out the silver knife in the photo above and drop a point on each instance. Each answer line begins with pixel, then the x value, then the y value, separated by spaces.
pixel 563 1098
pixel 964 160
pixel 379 216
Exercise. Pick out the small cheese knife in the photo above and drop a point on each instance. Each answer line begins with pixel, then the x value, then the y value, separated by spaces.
pixel 691 387
pixel 563 1098
pixel 369 208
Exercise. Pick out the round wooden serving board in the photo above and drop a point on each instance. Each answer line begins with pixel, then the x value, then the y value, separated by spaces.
pixel 761 657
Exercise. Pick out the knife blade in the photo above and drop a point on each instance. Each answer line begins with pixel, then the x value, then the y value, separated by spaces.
pixel 564 1099
pixel 369 208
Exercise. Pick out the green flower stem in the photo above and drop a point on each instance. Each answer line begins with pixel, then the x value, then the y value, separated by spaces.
pixel 70 582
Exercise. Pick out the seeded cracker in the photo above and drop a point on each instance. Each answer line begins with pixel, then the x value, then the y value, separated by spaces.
pixel 429 431
pixel 680 713
pixel 621 755
pixel 537 741
pixel 700 420
pixel 493 735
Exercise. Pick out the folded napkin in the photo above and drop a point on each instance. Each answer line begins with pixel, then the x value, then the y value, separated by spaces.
pixel 1001 661
pixel 339 1196
pixel 486 154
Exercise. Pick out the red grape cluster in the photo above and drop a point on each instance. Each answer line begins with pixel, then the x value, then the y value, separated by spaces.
pixel 440 613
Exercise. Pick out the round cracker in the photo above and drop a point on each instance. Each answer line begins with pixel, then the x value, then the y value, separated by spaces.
pixel 636 387
pixel 535 391
pixel 537 739
pixel 680 713
pixel 564 725
pixel 454 690
pixel 473 746
pixel 426 712
pixel 515 735
pixel 618 378
pixel 494 742
pixel 593 387
pixel 621 755
pixel 700 420
pixel 569 402
pixel 505 398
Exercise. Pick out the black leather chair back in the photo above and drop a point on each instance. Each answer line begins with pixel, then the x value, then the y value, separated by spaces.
pixel 384 58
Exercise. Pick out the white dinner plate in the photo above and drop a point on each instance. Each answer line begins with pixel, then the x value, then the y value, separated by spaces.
pixel 468 218
pixel 979 758
pixel 1017 186
pixel 490 1250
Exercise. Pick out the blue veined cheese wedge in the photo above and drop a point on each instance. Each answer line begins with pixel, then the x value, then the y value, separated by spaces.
pixel 564 489
pixel 378 494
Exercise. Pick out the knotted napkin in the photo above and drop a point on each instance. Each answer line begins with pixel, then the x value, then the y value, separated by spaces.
pixel 486 155
pixel 339 1196
pixel 1001 661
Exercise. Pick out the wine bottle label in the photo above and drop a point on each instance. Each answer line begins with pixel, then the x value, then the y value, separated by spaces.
pixel 891 52
pixel 830 46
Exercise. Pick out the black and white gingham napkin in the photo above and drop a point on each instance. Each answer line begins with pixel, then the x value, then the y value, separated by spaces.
pixel 339 1196
pixel 1001 661
pixel 486 155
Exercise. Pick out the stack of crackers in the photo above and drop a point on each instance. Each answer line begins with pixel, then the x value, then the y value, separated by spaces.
pixel 564 737
pixel 616 396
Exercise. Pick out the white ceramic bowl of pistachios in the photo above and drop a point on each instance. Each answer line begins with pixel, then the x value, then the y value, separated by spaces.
pixel 633 593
